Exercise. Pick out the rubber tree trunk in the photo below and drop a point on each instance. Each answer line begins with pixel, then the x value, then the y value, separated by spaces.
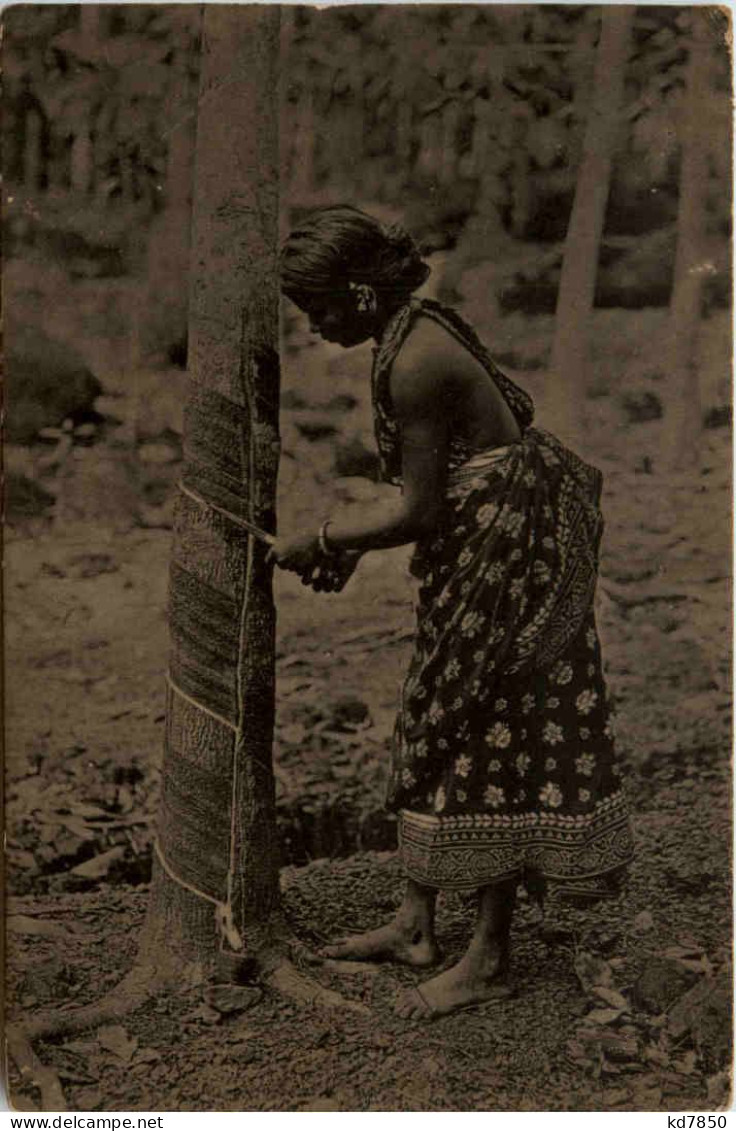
pixel 580 263
pixel 215 885
pixel 684 425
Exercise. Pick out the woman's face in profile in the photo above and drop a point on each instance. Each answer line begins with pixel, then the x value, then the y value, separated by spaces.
pixel 336 319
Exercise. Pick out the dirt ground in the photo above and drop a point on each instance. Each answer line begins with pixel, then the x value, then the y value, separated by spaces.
pixel 591 1026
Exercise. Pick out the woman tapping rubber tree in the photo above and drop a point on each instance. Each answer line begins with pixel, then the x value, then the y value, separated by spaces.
pixel 503 766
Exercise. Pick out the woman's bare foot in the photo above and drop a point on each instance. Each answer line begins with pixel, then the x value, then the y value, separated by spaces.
pixel 469 982
pixel 482 972
pixel 396 942
pixel 409 939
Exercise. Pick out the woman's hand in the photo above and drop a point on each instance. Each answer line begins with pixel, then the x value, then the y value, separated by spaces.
pixel 298 553
pixel 301 554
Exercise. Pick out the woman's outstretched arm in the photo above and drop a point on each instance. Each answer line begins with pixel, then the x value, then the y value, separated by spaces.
pixel 421 408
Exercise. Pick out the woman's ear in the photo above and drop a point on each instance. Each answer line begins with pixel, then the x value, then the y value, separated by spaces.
pixel 366 301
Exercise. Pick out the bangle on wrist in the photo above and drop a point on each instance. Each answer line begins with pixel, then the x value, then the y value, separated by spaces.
pixel 325 547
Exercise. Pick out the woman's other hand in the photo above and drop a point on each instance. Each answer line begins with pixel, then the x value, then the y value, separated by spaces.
pixel 302 555
pixel 333 573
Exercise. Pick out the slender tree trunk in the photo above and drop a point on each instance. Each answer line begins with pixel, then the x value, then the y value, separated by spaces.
pixel 521 187
pixel 160 300
pixel 404 134
pixel 82 153
pixel 82 161
pixel 216 872
pixel 580 265
pixel 302 176
pixel 32 151
pixel 684 411
pixel 483 239
pixel 127 177
pixel 448 144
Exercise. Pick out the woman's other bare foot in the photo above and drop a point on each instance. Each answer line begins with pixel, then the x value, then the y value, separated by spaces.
pixel 396 942
pixel 467 983
pixel 481 974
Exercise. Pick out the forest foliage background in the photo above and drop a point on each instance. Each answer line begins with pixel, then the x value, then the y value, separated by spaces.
pixel 474 138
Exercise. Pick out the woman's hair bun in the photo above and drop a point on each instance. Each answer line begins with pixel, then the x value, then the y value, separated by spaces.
pixel 339 244
pixel 399 240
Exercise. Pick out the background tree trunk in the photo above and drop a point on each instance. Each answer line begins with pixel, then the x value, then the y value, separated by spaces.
pixel 216 866
pixel 302 178
pixel 580 264
pixel 684 407
pixel 32 157
pixel 82 154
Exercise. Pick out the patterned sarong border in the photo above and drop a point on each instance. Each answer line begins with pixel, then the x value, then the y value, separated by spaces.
pixel 470 851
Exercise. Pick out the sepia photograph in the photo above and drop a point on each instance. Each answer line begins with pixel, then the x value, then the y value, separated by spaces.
pixel 367 450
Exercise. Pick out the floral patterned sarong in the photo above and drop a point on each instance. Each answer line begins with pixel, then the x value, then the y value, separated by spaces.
pixel 503 760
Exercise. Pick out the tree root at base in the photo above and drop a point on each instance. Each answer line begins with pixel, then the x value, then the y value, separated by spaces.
pixel 136 987
pixel 142 982
pixel 291 983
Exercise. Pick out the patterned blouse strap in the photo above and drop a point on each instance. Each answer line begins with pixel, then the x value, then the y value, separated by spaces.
pixel 384 354
pixel 394 336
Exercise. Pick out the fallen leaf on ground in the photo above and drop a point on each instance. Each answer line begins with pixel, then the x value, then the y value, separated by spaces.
pixel 687 1064
pixel 577 1052
pixel 23 1102
pixel 719 1090
pixel 618 1046
pixel 75 1075
pixel 612 1097
pixel 78 828
pixel 612 997
pixel 647 1097
pixel 690 956
pixel 679 951
pixel 325 1103
pixel 688 942
pixel 22 859
pixel 147 1056
pixel 653 1054
pixel 592 972
pixel 205 1013
pixel 342 966
pixel 87 811
pixel 83 1047
pixel 701 965
pixel 99 866
pixel 239 1035
pixel 644 921
pixel 88 1099
pixel 114 1039
pixel 39 928
pixel 603 1016
pixel 231 998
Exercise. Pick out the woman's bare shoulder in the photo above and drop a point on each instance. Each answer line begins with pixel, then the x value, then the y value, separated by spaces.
pixel 420 371
pixel 432 352
pixel 427 343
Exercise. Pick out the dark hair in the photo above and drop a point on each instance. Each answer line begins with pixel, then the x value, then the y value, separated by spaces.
pixel 338 245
